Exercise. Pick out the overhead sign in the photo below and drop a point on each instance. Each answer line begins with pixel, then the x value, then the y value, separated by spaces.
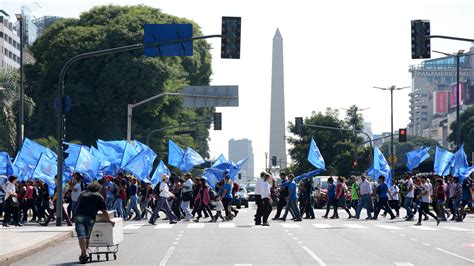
pixel 210 96
pixel 159 33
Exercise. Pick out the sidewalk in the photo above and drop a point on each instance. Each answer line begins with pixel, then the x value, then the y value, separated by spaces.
pixel 19 242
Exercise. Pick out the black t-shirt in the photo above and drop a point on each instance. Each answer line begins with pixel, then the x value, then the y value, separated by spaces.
pixel 89 203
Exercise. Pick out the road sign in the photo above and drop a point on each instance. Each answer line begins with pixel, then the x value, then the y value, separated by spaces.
pixel 210 96
pixel 66 104
pixel 392 159
pixel 168 32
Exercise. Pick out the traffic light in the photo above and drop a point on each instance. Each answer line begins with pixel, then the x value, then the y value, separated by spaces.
pixel 240 175
pixel 299 125
pixel 230 40
pixel 217 121
pixel 402 135
pixel 65 147
pixel 420 44
pixel 274 160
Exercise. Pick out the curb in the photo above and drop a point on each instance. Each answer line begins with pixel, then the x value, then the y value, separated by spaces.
pixel 15 256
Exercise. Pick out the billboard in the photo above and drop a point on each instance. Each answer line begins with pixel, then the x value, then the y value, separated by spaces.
pixel 453 95
pixel 440 102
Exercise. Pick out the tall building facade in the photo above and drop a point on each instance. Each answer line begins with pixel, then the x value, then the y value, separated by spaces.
pixel 43 23
pixel 30 32
pixel 277 115
pixel 433 95
pixel 9 42
pixel 240 149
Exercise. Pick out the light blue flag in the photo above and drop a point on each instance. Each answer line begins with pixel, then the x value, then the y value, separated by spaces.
pixel 307 175
pixel 46 170
pixel 443 161
pixel 459 161
pixel 219 160
pixel 149 153
pixel 6 166
pixel 416 157
pixel 27 159
pixel 100 157
pixel 213 177
pixel 314 156
pixel 234 171
pixel 87 164
pixel 464 172
pixel 112 150
pixel 381 167
pixel 160 170
pixel 190 159
pixel 129 152
pixel 139 166
pixel 175 154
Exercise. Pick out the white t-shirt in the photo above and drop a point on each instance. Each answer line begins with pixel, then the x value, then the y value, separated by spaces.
pixel 394 191
pixel 258 186
pixel 411 193
pixel 425 198
pixel 75 195
pixel 265 190
pixel 219 206
pixel 188 185
pixel 165 192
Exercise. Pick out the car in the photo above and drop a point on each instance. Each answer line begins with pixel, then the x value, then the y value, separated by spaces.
pixel 251 192
pixel 241 198
pixel 321 190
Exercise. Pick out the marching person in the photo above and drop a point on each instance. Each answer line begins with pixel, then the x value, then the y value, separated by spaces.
pixel 364 199
pixel 331 200
pixel 225 193
pixel 266 199
pixel 425 202
pixel 132 190
pixel 12 203
pixel 382 203
pixel 292 200
pixel 341 192
pixel 163 197
pixel 88 204
pixel 282 195
pixel 202 200
pixel 440 198
pixel 394 199
pixel 409 196
pixel 258 199
pixel 186 196
pixel 354 193
pixel 466 196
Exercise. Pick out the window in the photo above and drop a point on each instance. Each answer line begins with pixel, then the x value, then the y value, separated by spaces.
pixel 1 34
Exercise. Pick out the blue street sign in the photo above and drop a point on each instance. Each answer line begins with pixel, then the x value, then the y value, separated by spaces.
pixel 155 33
pixel 66 104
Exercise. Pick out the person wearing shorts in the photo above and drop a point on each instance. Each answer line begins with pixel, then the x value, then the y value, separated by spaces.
pixel 88 204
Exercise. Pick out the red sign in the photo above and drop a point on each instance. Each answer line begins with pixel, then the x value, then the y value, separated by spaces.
pixel 452 102
pixel 441 102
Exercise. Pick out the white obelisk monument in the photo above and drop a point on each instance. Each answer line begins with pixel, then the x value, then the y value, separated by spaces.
pixel 277 115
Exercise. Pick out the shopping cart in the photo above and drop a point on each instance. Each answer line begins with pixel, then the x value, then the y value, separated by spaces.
pixel 105 238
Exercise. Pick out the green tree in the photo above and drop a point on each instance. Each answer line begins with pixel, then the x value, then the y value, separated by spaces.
pixel 101 87
pixel 467 131
pixel 9 102
pixel 337 147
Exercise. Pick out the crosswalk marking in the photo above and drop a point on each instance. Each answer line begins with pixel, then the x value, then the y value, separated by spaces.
pixel 356 226
pixel 164 226
pixel 459 229
pixel 403 263
pixel 322 226
pixel 133 226
pixel 195 226
pixel 227 225
pixel 291 226
pixel 386 226
pixel 424 228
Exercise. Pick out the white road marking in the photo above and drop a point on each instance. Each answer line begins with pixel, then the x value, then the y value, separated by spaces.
pixel 403 264
pixel 195 226
pixel 177 239
pixel 227 225
pixel 426 244
pixel 164 226
pixel 459 229
pixel 413 239
pixel 402 235
pixel 181 232
pixel 392 231
pixel 133 226
pixel 180 235
pixel 314 256
pixel 356 226
pixel 322 226
pixel 289 226
pixel 424 228
pixel 243 264
pixel 286 230
pixel 175 243
pixel 389 227
pixel 167 256
pixel 455 255
pixel 295 238
pixel 300 242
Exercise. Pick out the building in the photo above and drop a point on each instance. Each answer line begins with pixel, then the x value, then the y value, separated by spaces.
pixel 433 95
pixel 43 23
pixel 277 154
pixel 240 149
pixel 30 32
pixel 9 43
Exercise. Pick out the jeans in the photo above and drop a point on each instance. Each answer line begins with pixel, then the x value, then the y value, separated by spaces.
pixel 133 205
pixel 73 206
pixel 118 207
pixel 407 205
pixel 292 206
pixel 185 207
pixel 109 203
pixel 364 201
pixel 162 203
pixel 456 207
pixel 382 203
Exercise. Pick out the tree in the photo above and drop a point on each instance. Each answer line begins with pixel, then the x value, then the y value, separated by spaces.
pixel 467 131
pixel 9 102
pixel 337 147
pixel 101 87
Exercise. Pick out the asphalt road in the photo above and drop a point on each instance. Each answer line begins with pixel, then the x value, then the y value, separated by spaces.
pixel 311 242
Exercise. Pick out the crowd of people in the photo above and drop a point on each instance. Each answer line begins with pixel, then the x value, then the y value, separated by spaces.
pixel 191 198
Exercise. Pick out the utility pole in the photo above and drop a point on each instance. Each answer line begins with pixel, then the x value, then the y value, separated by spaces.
pixel 21 115
pixel 392 148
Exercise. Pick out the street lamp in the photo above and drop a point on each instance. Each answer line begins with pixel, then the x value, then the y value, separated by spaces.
pixel 392 148
pixel 458 98
pixel 19 17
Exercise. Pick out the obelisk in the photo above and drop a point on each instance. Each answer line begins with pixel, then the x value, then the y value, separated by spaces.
pixel 277 115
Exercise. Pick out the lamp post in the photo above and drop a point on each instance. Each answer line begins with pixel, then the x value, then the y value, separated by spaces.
pixel 458 97
pixel 392 148
pixel 19 17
